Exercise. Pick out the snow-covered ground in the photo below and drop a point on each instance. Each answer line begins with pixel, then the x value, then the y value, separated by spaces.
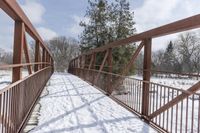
pixel 177 83
pixel 72 105
pixel 76 106
pixel 6 77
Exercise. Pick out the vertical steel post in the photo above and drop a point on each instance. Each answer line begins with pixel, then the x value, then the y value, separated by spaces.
pixel 93 67
pixel 80 66
pixel 94 61
pixel 84 64
pixel 75 66
pixel 17 51
pixel 101 66
pixel 47 57
pixel 109 90
pixel 146 77
pixel 83 60
pixel 37 47
pixel 43 57
pixel 80 61
pixel 52 64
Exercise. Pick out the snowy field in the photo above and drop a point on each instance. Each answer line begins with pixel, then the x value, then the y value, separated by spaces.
pixel 6 77
pixel 177 83
pixel 74 106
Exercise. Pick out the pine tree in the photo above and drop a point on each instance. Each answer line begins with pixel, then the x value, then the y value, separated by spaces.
pixel 108 23
pixel 123 19
pixel 169 60
pixel 123 28
pixel 95 32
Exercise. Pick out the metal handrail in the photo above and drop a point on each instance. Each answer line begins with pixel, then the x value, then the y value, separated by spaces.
pixel 23 65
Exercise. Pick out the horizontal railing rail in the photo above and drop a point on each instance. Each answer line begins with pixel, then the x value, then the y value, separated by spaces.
pixel 122 76
pixel 179 74
pixel 182 117
pixel 23 65
pixel 153 71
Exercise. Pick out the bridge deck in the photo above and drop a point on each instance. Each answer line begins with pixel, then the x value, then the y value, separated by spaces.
pixel 72 105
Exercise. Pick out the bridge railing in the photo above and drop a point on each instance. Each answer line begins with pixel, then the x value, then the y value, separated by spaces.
pixel 152 103
pixel 181 117
pixel 18 99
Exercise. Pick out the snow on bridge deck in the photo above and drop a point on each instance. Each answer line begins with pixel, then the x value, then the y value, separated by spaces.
pixel 72 105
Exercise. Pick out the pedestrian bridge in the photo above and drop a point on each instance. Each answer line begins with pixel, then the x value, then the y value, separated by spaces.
pixel 74 105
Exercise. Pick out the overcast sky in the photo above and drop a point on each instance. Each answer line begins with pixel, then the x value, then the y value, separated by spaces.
pixel 61 17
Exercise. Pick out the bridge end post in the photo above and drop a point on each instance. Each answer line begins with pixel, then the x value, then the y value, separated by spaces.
pixel 110 60
pixel 17 51
pixel 146 78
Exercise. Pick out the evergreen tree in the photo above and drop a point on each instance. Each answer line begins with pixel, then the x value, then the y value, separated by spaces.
pixel 123 27
pixel 169 61
pixel 108 23
pixel 95 32
pixel 122 19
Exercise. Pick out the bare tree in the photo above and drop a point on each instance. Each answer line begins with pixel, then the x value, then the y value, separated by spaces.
pixel 63 50
pixel 182 56
pixel 157 58
pixel 196 59
pixel 187 49
pixel 5 57
pixel 31 48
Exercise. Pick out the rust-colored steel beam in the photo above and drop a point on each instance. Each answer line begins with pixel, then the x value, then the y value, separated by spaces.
pixel 146 76
pixel 110 61
pixel 83 60
pixel 80 65
pixel 39 58
pixel 26 53
pixel 175 27
pixel 176 100
pixel 23 65
pixel 17 51
pixel 91 61
pixel 37 52
pixel 43 56
pixel 94 68
pixel 46 57
pixel 79 58
pixel 101 67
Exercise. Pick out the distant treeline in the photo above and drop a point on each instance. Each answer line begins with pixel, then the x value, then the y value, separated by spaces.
pixel 63 50
pixel 5 57
pixel 181 55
